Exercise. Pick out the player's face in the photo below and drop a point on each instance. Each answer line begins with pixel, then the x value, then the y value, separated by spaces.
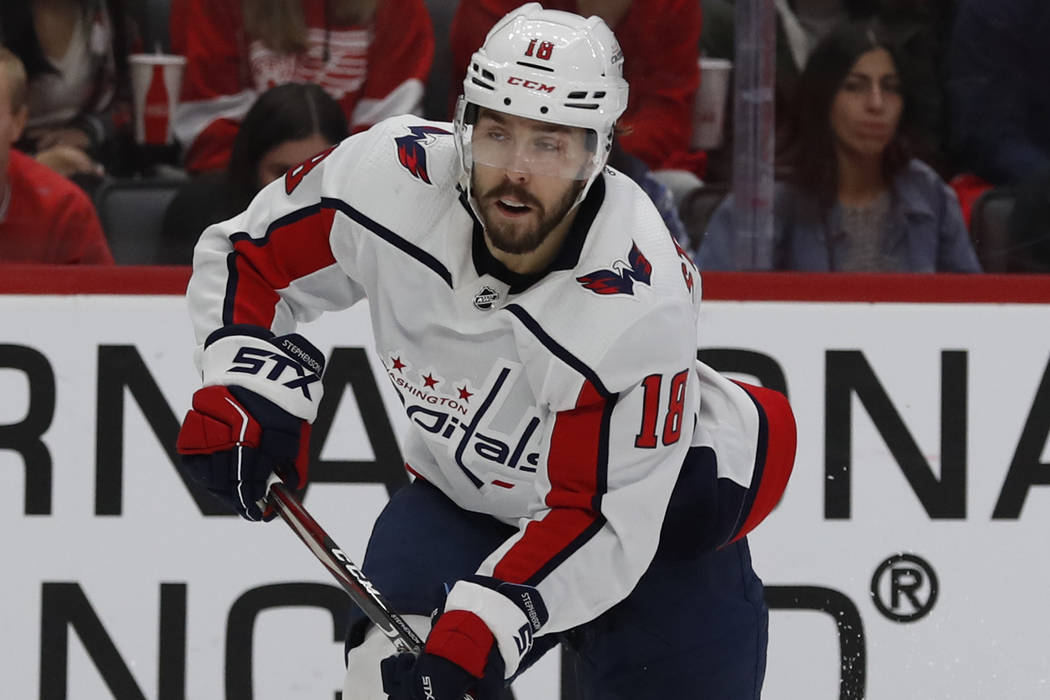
pixel 525 178
pixel 275 162
pixel 868 105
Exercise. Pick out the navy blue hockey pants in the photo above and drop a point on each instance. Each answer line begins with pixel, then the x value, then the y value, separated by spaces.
pixel 694 628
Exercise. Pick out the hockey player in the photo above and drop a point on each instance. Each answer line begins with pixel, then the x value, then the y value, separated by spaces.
pixel 579 477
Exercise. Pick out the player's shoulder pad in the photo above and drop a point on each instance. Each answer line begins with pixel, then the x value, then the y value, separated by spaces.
pixel 402 151
pixel 630 254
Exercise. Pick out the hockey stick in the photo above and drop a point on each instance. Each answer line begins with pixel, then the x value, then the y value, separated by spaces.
pixel 351 578
pixel 353 581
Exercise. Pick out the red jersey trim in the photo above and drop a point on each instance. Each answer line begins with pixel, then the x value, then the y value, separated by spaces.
pixel 776 454
pixel 576 466
pixel 294 246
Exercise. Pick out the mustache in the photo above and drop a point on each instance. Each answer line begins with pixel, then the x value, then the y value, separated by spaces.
pixel 519 193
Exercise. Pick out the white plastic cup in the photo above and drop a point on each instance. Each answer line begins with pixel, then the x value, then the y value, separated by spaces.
pixel 156 80
pixel 709 110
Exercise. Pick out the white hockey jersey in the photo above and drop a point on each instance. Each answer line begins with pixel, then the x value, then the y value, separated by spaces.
pixel 563 404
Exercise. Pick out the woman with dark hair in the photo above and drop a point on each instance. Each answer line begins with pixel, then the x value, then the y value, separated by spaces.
pixel 853 197
pixel 75 53
pixel 285 126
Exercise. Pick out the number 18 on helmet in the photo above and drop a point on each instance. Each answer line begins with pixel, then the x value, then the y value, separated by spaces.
pixel 549 66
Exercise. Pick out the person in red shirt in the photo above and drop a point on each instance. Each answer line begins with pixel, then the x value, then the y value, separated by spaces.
pixel 373 56
pixel 44 218
pixel 661 48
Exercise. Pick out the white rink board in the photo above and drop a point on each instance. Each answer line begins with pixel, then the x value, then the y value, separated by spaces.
pixel 983 638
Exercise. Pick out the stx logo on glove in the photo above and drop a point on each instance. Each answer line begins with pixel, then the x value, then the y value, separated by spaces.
pixel 428 688
pixel 250 360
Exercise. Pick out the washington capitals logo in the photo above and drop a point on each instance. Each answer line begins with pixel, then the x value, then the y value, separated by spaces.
pixel 620 279
pixel 411 151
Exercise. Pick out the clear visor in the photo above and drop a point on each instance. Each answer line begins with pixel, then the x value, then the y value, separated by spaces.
pixel 517 144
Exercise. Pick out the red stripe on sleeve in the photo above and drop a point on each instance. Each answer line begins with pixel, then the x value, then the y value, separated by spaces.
pixel 289 252
pixel 779 457
pixel 573 466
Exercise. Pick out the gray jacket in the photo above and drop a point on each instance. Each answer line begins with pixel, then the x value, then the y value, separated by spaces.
pixel 927 230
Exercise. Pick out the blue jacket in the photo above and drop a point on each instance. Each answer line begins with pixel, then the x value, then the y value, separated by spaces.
pixel 928 232
pixel 999 87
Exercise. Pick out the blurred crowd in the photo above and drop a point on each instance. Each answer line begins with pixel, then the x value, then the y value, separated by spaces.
pixel 911 135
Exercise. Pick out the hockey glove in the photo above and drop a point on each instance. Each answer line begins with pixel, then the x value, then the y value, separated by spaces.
pixel 431 677
pixel 252 418
pixel 486 628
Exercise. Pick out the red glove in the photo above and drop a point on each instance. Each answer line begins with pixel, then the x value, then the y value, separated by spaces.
pixel 252 418
pixel 479 639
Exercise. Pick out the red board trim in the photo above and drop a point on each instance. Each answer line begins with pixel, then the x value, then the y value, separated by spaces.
pixel 905 288
pixel 93 279
pixel 717 286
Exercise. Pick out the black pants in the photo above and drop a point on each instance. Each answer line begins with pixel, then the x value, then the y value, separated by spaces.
pixel 695 626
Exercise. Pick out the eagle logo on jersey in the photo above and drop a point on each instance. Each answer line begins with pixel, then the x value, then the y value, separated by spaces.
pixel 620 279
pixel 411 151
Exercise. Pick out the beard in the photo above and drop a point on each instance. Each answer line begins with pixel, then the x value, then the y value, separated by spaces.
pixel 531 230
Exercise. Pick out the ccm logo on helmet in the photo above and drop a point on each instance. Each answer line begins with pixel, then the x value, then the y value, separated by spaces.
pixel 530 84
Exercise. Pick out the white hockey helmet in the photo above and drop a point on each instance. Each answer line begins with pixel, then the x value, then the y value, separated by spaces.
pixel 550 66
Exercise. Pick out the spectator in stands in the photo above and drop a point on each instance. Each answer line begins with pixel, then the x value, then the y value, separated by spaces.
pixel 801 24
pixel 1000 89
pixel 44 218
pixel 797 30
pixel 373 56
pixel 75 54
pixel 660 41
pixel 853 198
pixel 920 29
pixel 285 126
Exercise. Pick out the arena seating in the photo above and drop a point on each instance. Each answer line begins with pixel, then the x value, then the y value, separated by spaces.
pixel 989 227
pixel 132 213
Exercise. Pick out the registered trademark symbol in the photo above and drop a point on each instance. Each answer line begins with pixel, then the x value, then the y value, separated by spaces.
pixel 904 587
